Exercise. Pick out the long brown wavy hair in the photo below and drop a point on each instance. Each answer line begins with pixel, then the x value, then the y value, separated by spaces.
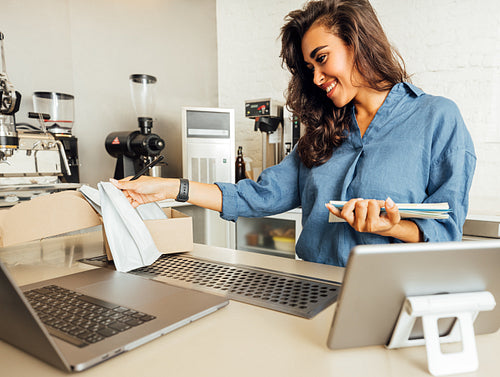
pixel 381 66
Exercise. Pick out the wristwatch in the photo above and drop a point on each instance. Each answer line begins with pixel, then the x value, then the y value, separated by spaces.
pixel 183 195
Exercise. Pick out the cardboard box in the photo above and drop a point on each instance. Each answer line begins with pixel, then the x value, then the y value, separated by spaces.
pixel 171 235
pixel 68 211
pixel 46 216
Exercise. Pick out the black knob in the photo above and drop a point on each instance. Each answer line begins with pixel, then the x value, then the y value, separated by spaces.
pixel 156 144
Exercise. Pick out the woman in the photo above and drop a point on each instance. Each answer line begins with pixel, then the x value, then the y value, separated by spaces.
pixel 369 134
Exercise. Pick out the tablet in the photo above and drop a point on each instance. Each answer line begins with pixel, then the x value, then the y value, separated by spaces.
pixel 378 278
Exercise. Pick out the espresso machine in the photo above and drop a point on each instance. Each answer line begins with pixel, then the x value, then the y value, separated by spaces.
pixel 33 160
pixel 10 100
pixel 41 156
pixel 47 154
pixel 268 116
pixel 134 150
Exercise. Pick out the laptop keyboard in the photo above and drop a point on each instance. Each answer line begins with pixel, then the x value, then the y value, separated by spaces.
pixel 79 319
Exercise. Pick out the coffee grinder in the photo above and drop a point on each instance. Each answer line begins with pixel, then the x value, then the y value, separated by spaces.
pixel 60 109
pixel 134 150
pixel 268 115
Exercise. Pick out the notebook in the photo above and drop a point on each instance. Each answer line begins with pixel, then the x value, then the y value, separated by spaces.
pixel 406 210
pixel 103 313
pixel 378 278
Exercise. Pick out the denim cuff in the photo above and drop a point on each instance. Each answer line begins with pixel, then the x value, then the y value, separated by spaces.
pixel 229 201
pixel 438 230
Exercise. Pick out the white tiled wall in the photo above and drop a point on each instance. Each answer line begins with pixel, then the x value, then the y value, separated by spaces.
pixel 452 48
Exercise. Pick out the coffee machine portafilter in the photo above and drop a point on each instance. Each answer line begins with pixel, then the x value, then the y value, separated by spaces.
pixel 134 150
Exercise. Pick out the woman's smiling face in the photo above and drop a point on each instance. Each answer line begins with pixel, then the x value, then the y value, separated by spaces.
pixel 332 64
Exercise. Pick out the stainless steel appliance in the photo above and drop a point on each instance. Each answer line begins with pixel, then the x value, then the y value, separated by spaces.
pixel 292 130
pixel 41 154
pixel 10 100
pixel 268 116
pixel 208 156
pixel 134 150
pixel 60 108
pixel 38 164
pixel 30 158
pixel 277 141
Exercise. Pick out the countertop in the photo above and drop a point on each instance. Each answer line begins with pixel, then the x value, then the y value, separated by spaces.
pixel 238 340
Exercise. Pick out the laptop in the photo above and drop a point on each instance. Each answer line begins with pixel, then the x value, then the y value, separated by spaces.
pixel 378 278
pixel 77 321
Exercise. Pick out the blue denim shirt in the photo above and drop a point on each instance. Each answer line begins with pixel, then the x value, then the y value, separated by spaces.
pixel 416 150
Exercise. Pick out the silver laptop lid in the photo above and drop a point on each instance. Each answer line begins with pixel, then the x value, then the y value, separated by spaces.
pixel 20 326
pixel 171 307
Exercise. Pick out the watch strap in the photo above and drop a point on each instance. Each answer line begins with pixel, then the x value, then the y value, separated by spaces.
pixel 183 195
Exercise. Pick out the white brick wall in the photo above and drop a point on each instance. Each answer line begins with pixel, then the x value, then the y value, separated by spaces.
pixel 452 48
pixel 249 64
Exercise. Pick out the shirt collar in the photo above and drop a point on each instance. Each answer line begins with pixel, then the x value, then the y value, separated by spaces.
pixel 394 97
pixel 415 90
pixel 397 91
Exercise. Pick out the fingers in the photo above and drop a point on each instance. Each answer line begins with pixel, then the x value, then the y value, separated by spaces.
pixel 134 203
pixel 392 211
pixel 364 215
pixel 129 190
pixel 348 211
pixel 146 189
pixel 115 183
pixel 123 183
pixel 360 214
pixel 143 185
pixel 334 210
pixel 372 221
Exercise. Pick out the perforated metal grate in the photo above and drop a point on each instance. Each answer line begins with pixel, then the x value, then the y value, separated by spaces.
pixel 292 294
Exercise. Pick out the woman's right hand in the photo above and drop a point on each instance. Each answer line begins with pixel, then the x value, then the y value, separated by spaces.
pixel 147 189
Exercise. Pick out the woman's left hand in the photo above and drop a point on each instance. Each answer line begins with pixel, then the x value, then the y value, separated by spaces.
pixel 364 215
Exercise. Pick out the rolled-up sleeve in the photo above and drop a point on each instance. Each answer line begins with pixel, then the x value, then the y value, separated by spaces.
pixel 276 191
pixel 450 177
pixel 452 181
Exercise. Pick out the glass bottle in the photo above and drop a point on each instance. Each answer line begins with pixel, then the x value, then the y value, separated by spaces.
pixel 239 166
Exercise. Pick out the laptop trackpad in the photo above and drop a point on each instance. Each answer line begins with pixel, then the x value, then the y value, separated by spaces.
pixel 128 290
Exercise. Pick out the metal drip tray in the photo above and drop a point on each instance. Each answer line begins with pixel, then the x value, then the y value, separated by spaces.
pixel 293 294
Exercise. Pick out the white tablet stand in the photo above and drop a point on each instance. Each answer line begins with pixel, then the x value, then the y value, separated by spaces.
pixel 462 306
